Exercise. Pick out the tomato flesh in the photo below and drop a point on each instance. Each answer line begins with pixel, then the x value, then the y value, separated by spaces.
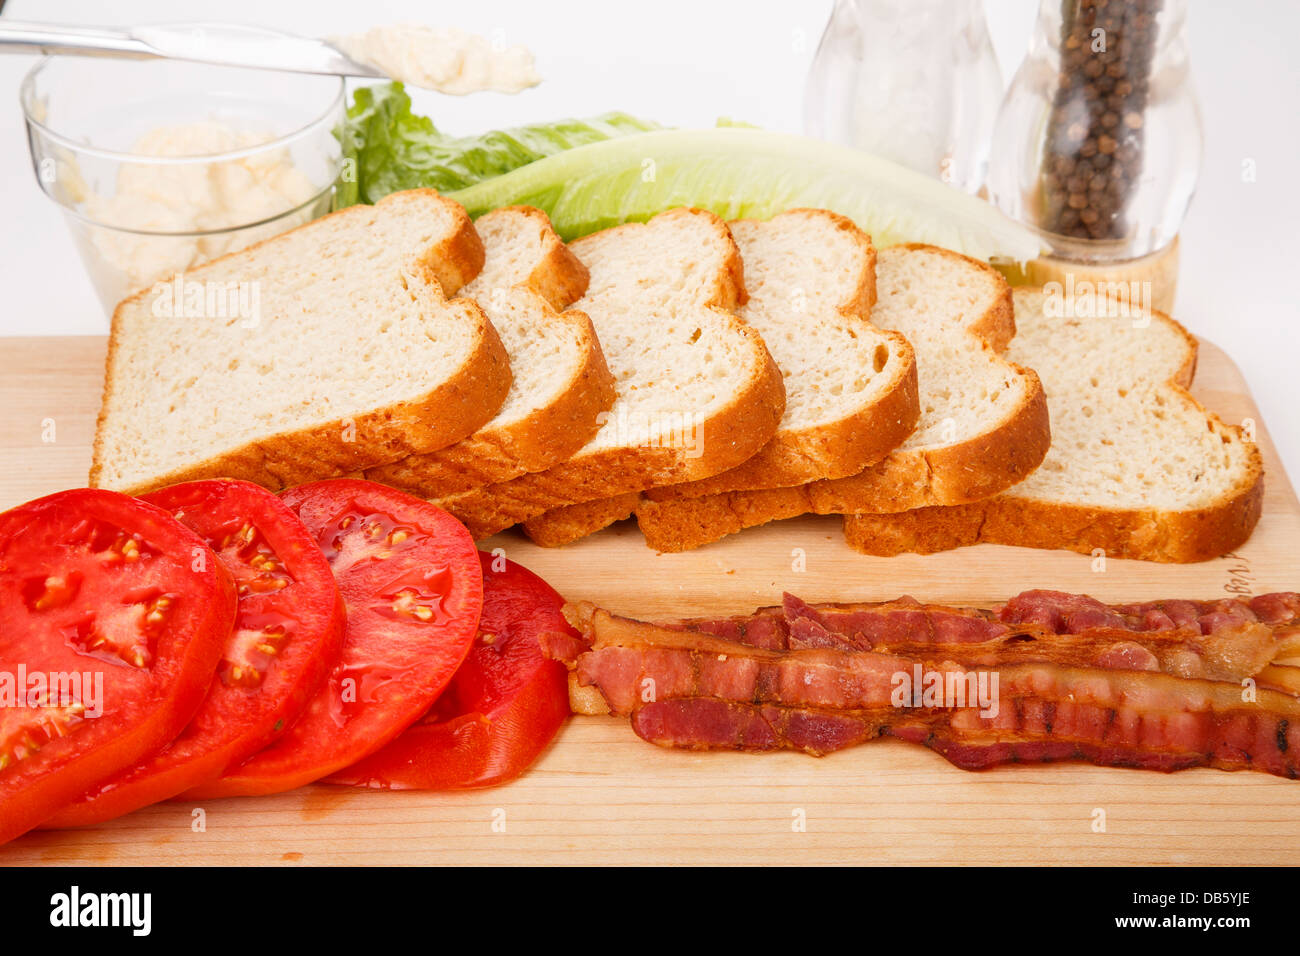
pixel 504 706
pixel 101 591
pixel 287 636
pixel 411 583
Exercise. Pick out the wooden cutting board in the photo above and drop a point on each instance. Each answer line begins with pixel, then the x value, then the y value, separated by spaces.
pixel 600 795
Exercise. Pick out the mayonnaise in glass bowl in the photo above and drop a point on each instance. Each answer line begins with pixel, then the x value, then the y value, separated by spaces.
pixel 161 165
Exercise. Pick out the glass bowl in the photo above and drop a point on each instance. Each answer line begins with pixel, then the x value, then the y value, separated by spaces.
pixel 159 165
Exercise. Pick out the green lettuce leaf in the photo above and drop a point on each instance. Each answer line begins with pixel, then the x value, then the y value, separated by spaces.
pixel 388 148
pixel 745 173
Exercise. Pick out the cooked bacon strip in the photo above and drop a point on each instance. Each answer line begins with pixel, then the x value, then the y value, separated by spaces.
pixel 1156 685
pixel 1044 714
pixel 701 723
pixel 561 645
pixel 632 662
pixel 866 626
pixel 1229 654
pixel 1280 607
pixel 1033 614
pixel 1063 613
pixel 1229 734
pixel 1219 640
pixel 672 664
pixel 766 628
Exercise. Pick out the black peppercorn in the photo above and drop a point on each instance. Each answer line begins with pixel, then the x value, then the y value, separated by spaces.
pixel 1093 149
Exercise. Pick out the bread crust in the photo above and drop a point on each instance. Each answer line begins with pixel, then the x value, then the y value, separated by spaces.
pixel 561 526
pixel 560 277
pixel 1146 534
pixel 448 412
pixel 732 435
pixel 453 261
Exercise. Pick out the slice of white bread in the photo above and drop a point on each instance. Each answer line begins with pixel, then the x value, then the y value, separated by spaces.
pixel 983 420
pixel 561 381
pixel 352 356
pixel 698 391
pixel 1137 468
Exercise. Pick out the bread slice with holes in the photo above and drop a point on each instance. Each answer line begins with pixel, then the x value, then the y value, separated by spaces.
pixel 1137 468
pixel 561 381
pixel 698 391
pixel 352 354
pixel 983 423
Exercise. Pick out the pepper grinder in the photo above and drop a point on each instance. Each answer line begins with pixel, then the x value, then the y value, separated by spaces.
pixel 1098 144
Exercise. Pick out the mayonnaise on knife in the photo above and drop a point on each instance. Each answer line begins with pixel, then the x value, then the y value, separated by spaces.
pixel 444 59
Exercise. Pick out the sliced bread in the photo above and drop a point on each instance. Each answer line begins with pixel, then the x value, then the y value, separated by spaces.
pixel 1137 468
pixel 851 394
pixel 983 423
pixel 561 381
pixel 348 354
pixel 698 391
pixel 851 389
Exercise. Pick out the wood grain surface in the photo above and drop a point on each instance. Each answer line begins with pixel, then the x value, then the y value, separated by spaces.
pixel 601 796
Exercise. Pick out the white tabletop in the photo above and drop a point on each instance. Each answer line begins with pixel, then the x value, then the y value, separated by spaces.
pixel 687 62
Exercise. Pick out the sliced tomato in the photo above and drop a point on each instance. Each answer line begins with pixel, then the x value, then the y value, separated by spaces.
pixel 410 580
pixel 503 707
pixel 113 616
pixel 287 636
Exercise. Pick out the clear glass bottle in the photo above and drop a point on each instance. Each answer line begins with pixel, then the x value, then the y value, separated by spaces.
pixel 914 81
pixel 1098 141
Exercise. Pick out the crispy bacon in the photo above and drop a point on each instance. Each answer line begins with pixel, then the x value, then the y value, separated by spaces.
pixel 1063 613
pixel 1033 615
pixel 561 645
pixel 1042 716
pixel 628 676
pixel 1279 607
pixel 1159 685
pixel 873 625
pixel 629 659
pixel 797 624
pixel 702 723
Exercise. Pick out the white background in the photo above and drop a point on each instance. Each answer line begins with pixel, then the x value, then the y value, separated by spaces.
pixel 686 62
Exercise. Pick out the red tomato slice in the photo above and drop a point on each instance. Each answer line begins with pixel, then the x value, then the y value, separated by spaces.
pixel 505 704
pixel 128 610
pixel 411 583
pixel 287 636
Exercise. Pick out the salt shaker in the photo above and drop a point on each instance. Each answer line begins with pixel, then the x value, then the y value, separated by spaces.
pixel 914 81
